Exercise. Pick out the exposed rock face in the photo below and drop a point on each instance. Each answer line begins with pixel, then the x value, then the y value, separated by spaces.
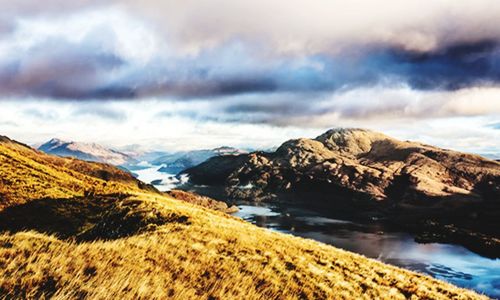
pixel 357 164
pixel 368 172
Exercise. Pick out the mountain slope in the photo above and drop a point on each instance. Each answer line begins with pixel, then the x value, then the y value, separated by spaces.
pixel 455 195
pixel 122 240
pixel 366 164
pixel 176 162
pixel 27 174
pixel 85 151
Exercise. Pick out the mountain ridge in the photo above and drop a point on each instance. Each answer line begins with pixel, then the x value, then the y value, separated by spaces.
pixel 67 232
pixel 85 151
pixel 176 162
pixel 367 153
pixel 456 196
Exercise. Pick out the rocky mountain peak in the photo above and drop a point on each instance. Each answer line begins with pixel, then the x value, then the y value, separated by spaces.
pixel 353 141
pixel 361 162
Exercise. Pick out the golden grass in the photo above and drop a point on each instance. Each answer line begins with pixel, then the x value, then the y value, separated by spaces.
pixel 27 174
pixel 207 256
pixel 151 246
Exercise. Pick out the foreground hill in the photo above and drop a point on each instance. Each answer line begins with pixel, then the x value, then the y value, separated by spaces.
pixel 27 174
pixel 85 151
pixel 71 229
pixel 363 171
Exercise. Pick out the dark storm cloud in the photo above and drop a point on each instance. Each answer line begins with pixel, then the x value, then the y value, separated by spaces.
pixel 59 69
pixel 454 67
pixel 250 57
pixel 63 70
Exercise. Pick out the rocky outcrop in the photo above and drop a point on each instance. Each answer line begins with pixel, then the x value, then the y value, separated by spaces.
pixel 363 165
pixel 365 171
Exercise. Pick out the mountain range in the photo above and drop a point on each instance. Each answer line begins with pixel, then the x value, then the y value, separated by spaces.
pixel 453 195
pixel 76 229
pixel 85 151
pixel 179 161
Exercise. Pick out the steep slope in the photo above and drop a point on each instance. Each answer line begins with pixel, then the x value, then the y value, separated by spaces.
pixel 124 241
pixel 363 171
pixel 27 174
pixel 85 151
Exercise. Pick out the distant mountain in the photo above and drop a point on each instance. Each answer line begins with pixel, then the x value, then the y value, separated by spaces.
pixel 142 153
pixel 85 151
pixel 493 156
pixel 27 175
pixel 366 172
pixel 149 156
pixel 179 161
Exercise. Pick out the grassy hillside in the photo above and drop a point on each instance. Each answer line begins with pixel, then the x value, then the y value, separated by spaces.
pixel 67 231
pixel 27 174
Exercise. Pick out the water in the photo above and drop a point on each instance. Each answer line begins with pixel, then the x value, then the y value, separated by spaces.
pixel 164 181
pixel 452 263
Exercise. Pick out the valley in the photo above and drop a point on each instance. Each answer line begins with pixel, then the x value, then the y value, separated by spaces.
pixel 440 195
pixel 111 235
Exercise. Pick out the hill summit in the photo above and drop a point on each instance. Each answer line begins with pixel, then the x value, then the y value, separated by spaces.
pixel 365 164
pixel 366 173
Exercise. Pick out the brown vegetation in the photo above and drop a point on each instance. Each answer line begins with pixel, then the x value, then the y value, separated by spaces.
pixel 439 194
pixel 62 243
pixel 363 166
pixel 202 201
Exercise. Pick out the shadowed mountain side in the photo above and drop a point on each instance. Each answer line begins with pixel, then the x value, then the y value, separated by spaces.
pixel 368 165
pixel 369 174
pixel 84 219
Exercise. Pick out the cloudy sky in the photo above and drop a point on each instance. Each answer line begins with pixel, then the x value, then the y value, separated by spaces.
pixel 196 74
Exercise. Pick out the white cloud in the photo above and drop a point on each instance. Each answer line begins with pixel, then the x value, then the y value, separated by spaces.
pixel 256 52
pixel 110 29
pixel 138 123
pixel 174 125
pixel 290 26
pixel 302 26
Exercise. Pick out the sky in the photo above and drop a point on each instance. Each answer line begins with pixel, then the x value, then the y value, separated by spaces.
pixel 178 75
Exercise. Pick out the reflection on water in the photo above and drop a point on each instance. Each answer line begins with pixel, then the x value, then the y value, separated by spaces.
pixel 162 181
pixel 447 262
pixel 254 211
